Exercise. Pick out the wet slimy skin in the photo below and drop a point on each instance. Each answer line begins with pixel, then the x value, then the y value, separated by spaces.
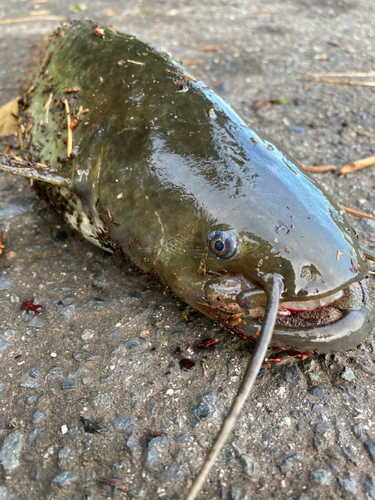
pixel 162 171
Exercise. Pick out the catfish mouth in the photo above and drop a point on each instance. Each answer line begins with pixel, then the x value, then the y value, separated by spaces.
pixel 315 312
pixel 337 321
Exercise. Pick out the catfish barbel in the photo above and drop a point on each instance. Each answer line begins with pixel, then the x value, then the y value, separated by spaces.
pixel 149 163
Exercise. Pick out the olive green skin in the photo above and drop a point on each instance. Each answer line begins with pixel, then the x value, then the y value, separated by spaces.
pixel 159 168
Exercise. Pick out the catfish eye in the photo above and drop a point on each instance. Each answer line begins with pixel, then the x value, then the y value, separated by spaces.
pixel 223 244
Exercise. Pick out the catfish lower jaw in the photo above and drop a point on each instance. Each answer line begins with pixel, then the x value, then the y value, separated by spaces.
pixel 316 312
pixel 342 323
pixel 348 331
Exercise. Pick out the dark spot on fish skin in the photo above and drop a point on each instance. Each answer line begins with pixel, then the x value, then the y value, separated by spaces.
pixel 355 267
pixel 79 221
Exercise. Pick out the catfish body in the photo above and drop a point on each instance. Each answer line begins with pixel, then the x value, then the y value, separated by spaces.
pixel 146 161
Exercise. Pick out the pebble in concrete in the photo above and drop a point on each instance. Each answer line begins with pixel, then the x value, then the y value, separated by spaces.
pixel 12 333
pixel 10 451
pixel 35 435
pixel 38 416
pixel 348 485
pixel 348 374
pixel 6 283
pixel 370 446
pixel 131 445
pixel 136 493
pixel 64 452
pixel 124 422
pixel 155 449
pixel 317 391
pixel 3 493
pixel 68 384
pixel 3 344
pixel 321 476
pixel 369 486
pixel 292 375
pixel 87 335
pixel 30 384
pixel 248 465
pixel 238 493
pixel 31 399
pixel 172 472
pixel 206 409
pixel 64 478
pixel 34 371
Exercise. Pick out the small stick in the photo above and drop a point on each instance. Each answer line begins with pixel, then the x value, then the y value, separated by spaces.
pixel 321 168
pixel 210 48
pixel 357 213
pixel 260 11
pixel 339 82
pixel 70 134
pixel 1 242
pixel 68 90
pixel 366 134
pixel 47 105
pixel 136 62
pixel 348 75
pixel 181 74
pixel 33 18
pixel 338 254
pixel 357 165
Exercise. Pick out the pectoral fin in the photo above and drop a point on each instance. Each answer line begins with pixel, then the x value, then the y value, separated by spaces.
pixel 36 171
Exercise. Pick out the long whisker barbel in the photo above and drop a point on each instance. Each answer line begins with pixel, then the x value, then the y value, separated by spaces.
pixel 274 287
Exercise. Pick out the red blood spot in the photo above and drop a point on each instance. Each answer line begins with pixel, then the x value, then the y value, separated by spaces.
pixel 156 434
pixel 288 355
pixel 206 344
pixel 29 304
pixel 187 364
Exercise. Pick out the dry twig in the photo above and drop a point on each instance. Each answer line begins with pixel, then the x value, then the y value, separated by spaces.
pixel 70 134
pixel 357 213
pixel 119 484
pixel 347 75
pixel 47 105
pixel 1 242
pixel 366 134
pixel 339 82
pixel 33 18
pixel 357 165
pixel 181 74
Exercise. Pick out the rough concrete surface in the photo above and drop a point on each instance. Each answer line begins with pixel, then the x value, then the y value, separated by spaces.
pixel 92 387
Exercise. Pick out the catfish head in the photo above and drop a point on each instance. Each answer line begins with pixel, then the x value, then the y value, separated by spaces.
pixel 259 214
